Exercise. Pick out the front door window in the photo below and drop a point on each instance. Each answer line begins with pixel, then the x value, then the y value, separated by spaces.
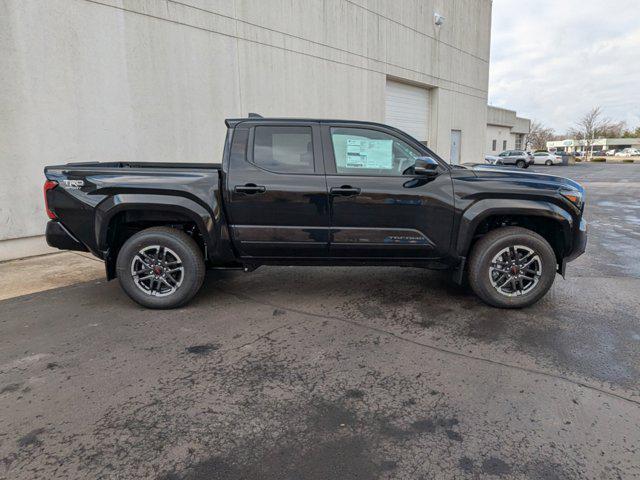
pixel 360 151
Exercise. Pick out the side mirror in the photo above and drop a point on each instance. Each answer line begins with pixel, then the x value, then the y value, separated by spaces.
pixel 425 166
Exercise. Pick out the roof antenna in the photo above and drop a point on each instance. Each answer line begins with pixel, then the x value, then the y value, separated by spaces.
pixel 255 115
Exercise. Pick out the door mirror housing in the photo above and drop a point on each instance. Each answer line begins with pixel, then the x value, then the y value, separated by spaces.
pixel 425 166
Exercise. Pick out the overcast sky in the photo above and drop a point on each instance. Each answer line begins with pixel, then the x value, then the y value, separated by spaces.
pixel 552 61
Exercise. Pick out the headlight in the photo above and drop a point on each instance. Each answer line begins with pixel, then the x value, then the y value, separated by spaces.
pixel 574 196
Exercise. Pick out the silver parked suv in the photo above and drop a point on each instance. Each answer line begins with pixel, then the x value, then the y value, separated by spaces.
pixel 519 158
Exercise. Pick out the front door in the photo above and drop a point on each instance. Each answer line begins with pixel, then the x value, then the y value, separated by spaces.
pixel 276 194
pixel 379 207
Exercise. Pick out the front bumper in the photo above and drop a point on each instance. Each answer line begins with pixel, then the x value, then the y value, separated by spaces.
pixel 579 241
pixel 59 237
pixel 579 246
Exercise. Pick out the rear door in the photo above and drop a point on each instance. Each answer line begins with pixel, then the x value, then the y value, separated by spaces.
pixel 379 207
pixel 276 194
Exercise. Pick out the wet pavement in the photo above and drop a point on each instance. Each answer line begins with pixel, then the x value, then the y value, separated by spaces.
pixel 337 373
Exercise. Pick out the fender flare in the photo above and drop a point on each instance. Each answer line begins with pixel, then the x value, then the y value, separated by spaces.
pixel 110 207
pixel 483 209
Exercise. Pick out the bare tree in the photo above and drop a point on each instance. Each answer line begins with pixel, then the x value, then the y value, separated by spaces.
pixel 613 130
pixel 592 126
pixel 538 136
pixel 631 133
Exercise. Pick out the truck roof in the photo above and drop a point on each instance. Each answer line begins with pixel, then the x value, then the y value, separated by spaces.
pixel 232 122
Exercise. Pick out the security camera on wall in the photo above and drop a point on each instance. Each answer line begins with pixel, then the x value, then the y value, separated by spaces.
pixel 438 19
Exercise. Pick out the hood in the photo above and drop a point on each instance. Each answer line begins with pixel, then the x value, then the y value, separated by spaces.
pixel 528 179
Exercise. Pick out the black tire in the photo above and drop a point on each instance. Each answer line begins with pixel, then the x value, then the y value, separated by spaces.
pixel 548 163
pixel 521 164
pixel 170 240
pixel 489 246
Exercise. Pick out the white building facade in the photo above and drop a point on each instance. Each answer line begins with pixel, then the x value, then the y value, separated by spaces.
pixel 153 80
pixel 505 131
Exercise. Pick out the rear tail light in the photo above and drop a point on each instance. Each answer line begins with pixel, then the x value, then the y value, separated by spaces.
pixel 49 185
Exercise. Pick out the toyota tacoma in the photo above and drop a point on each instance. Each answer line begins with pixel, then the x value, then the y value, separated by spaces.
pixel 316 192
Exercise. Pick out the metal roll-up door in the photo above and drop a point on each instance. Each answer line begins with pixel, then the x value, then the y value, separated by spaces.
pixel 407 108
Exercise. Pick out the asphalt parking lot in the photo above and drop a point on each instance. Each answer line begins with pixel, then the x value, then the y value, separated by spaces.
pixel 337 373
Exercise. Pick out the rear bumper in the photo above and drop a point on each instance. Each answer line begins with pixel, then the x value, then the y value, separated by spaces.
pixel 59 237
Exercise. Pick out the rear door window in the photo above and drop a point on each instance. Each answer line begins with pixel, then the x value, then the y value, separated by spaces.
pixel 283 149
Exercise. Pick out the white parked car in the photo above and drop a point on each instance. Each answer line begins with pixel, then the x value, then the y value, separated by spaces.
pixel 611 153
pixel 629 152
pixel 491 159
pixel 546 158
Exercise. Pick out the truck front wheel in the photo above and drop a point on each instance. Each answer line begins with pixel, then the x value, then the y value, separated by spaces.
pixel 160 267
pixel 511 267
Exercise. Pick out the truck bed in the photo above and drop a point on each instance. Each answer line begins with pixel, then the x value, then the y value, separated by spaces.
pixel 93 200
pixel 155 165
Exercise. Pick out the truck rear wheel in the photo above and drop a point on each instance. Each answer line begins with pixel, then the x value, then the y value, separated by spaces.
pixel 160 267
pixel 511 267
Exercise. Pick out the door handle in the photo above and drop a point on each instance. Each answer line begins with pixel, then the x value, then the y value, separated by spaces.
pixel 249 189
pixel 345 191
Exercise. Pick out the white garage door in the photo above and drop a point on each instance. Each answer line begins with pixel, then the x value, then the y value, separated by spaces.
pixel 407 108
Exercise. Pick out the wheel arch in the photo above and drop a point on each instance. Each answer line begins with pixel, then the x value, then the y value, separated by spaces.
pixel 167 206
pixel 549 220
pixel 140 211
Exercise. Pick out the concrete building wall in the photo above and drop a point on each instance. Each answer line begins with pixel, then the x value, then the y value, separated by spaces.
pixel 522 125
pixel 501 116
pixel 500 135
pixel 506 129
pixel 153 80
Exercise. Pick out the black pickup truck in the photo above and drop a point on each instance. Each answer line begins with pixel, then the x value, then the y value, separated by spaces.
pixel 316 192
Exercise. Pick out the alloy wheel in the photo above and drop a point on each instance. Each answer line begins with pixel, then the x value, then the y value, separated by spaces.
pixel 157 270
pixel 515 270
